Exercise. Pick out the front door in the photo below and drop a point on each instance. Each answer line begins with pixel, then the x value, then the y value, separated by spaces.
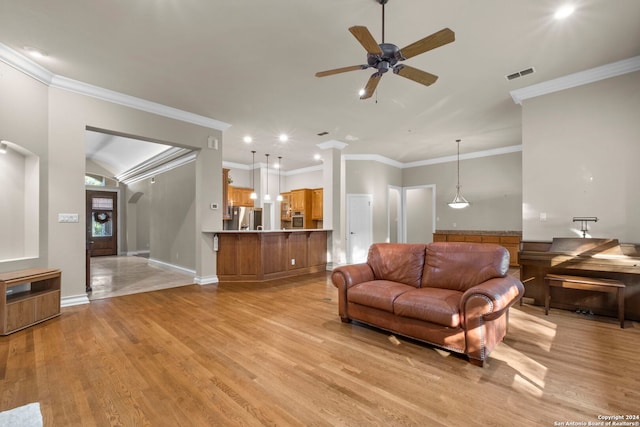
pixel 102 222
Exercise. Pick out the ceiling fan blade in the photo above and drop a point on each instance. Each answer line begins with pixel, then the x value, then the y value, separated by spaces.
pixel 371 86
pixel 433 41
pixel 414 74
pixel 366 39
pixel 341 70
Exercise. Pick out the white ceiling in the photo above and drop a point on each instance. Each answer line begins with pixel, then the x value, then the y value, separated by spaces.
pixel 252 63
pixel 119 154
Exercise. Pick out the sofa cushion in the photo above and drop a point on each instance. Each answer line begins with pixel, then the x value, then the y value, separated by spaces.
pixel 397 262
pixel 433 305
pixel 460 266
pixel 377 294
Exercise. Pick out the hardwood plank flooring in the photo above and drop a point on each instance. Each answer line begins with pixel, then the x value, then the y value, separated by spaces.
pixel 277 354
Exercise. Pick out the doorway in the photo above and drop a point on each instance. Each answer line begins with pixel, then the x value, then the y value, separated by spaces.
pixel 359 227
pixel 419 213
pixel 102 222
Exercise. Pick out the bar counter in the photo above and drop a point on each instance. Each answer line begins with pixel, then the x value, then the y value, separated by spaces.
pixel 259 255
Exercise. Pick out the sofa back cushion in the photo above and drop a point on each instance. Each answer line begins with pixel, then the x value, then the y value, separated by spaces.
pixel 397 262
pixel 460 266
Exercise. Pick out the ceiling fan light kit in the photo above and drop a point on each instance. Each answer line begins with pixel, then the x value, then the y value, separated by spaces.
pixel 385 56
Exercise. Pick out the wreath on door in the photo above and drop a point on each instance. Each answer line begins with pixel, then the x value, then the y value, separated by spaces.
pixel 101 217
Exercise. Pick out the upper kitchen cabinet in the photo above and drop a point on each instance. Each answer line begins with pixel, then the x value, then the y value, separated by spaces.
pixel 316 204
pixel 301 200
pixel 285 207
pixel 240 196
pixel 226 213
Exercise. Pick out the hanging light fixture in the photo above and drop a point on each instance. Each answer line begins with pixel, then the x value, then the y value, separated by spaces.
pixel 279 198
pixel 458 202
pixel 267 196
pixel 253 194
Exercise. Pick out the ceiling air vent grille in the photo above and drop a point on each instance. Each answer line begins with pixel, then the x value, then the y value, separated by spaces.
pixel 522 73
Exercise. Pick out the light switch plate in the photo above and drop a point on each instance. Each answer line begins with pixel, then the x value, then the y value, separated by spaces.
pixel 68 217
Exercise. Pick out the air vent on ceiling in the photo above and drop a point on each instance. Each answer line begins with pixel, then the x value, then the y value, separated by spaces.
pixel 323 133
pixel 522 73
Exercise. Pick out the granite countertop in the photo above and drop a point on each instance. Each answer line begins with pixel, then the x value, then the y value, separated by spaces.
pixel 481 232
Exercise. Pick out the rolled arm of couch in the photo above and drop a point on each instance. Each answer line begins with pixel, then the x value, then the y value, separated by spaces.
pixel 491 298
pixel 346 276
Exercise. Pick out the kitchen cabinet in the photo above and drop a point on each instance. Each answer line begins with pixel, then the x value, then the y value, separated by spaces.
pixel 300 200
pixel 226 213
pixel 240 196
pixel 285 207
pixel 510 240
pixel 317 204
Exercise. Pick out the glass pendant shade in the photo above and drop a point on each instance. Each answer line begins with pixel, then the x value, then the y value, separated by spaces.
pixel 459 202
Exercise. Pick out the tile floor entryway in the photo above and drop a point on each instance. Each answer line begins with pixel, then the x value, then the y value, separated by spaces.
pixel 113 276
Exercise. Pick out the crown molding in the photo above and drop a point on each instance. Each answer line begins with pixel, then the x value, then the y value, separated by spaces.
pixel 375 158
pixel 580 78
pixel 467 156
pixel 36 71
pixel 25 65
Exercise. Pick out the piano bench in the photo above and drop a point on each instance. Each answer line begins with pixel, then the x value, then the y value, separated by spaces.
pixel 584 283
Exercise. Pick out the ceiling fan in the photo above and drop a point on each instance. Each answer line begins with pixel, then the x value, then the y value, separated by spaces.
pixel 385 56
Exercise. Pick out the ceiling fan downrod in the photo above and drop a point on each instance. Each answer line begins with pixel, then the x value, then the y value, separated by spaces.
pixel 383 2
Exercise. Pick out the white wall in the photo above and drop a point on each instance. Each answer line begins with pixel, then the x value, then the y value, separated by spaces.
pixel 581 148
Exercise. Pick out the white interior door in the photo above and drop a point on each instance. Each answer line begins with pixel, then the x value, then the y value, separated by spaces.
pixel 359 227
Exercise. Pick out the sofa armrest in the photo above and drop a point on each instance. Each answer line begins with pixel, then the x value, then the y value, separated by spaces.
pixel 491 298
pixel 346 276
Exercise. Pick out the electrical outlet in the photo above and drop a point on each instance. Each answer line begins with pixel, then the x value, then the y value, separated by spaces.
pixel 214 206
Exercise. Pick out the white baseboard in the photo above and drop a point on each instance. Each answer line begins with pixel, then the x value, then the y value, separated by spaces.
pixel 206 280
pixel 171 266
pixel 134 253
pixel 74 300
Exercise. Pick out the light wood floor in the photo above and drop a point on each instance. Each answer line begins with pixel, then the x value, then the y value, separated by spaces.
pixel 277 354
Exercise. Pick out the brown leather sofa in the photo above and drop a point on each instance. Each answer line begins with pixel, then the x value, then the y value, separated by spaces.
pixel 452 295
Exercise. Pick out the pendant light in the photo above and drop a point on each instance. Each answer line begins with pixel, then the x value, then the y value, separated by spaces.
pixel 279 198
pixel 253 194
pixel 267 196
pixel 458 202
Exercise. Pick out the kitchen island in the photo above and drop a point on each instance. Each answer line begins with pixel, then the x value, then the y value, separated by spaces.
pixel 257 255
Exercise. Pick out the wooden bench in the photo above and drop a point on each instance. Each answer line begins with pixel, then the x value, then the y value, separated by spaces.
pixel 584 283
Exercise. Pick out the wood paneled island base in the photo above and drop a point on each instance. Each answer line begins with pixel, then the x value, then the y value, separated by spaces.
pixel 265 255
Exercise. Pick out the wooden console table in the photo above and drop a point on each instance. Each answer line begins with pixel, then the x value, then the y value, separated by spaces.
pixel 23 308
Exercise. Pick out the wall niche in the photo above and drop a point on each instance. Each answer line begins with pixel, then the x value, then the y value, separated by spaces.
pixel 19 198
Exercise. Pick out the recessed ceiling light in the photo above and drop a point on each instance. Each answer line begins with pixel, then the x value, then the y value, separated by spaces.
pixel 35 52
pixel 247 139
pixel 283 137
pixel 564 11
pixel 317 156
